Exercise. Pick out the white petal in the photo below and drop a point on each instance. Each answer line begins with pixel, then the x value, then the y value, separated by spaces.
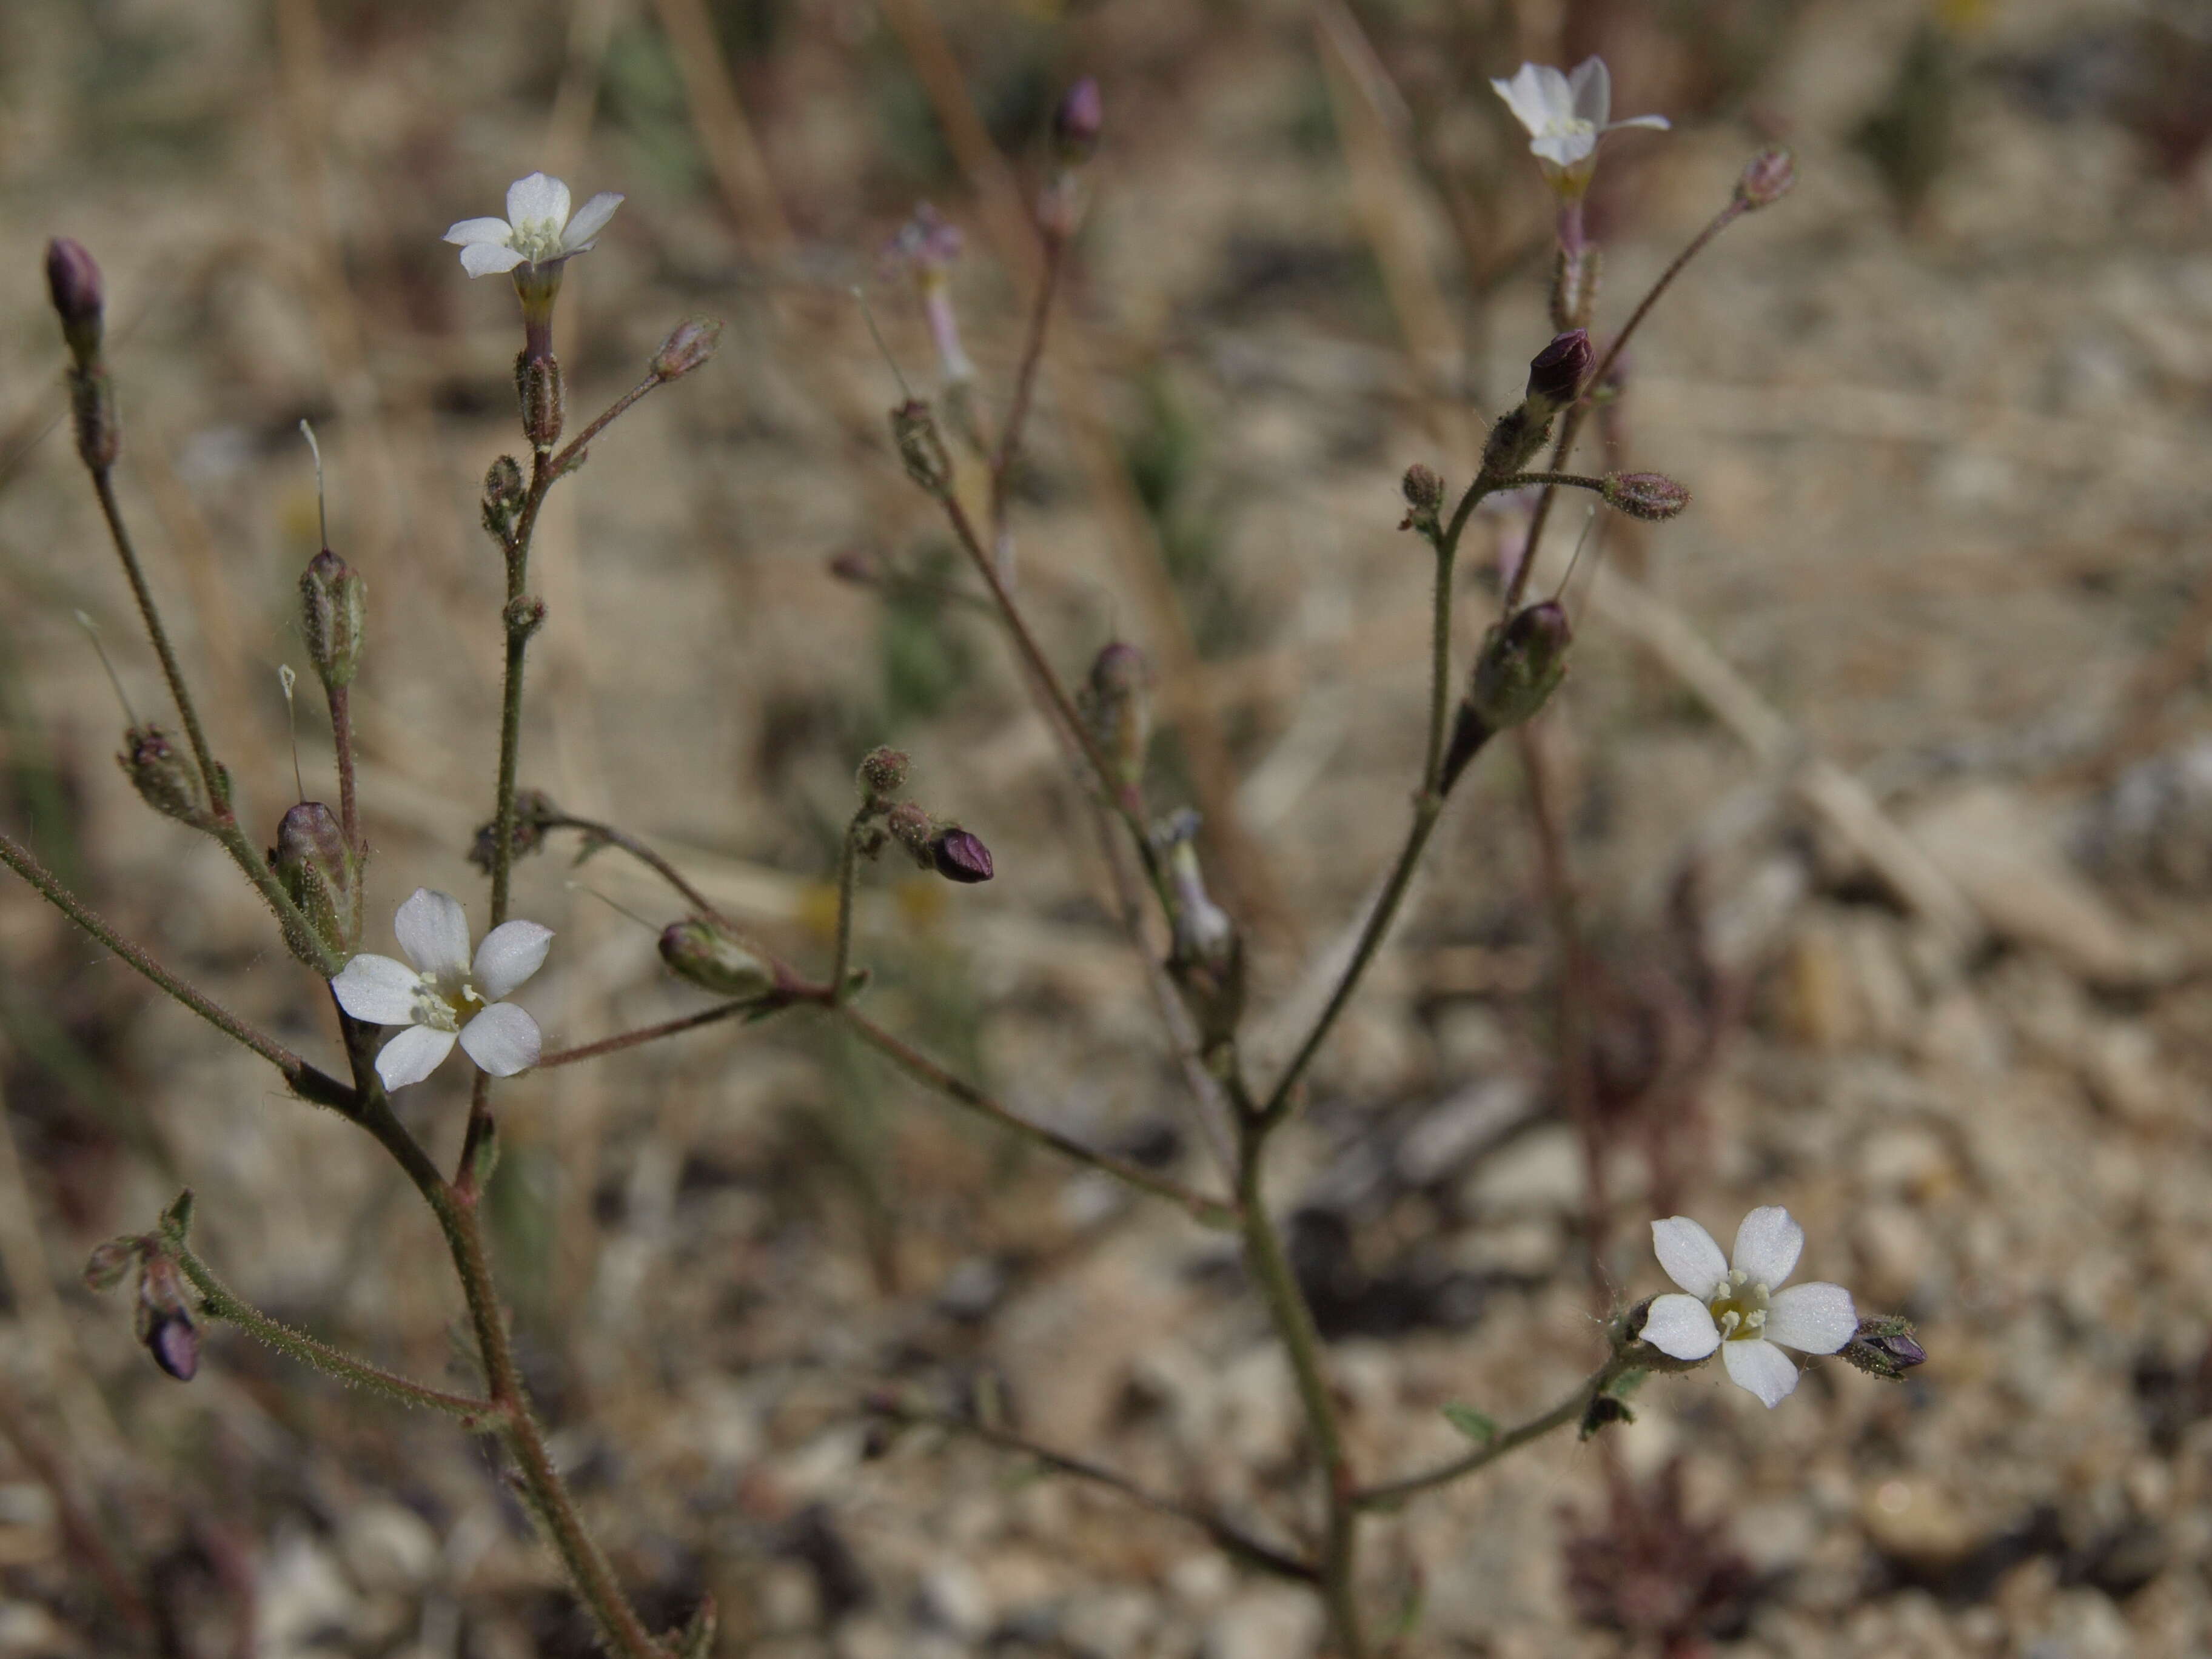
pixel 1589 88
pixel 1688 1254
pixel 1565 148
pixel 538 200
pixel 1681 1326
pixel 1762 1368
pixel 1767 1246
pixel 510 954
pixel 502 1039
pixel 413 1056
pixel 481 230
pixel 1657 123
pixel 591 219
pixel 1811 1318
pixel 377 989
pixel 484 260
pixel 433 931
pixel 1528 95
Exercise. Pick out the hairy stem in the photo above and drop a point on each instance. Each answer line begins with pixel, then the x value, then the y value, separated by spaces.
pixel 103 485
pixel 1018 411
pixel 653 1033
pixel 848 876
pixel 645 855
pixel 1209 1212
pixel 341 701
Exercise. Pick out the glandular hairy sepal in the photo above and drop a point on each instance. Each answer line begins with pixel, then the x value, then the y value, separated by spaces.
pixel 322 875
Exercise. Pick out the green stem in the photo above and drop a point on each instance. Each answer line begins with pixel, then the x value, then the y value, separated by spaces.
pixel 848 877
pixel 219 1301
pixel 1570 1410
pixel 645 855
pixel 1208 1211
pixel 1294 1326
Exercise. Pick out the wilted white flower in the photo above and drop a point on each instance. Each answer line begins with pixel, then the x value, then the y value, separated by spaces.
pixel 537 231
pixel 445 997
pixel 1737 1309
pixel 1566 116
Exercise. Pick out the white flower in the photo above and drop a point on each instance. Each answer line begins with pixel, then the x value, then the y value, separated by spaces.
pixel 1566 116
pixel 1737 1309
pixel 445 997
pixel 537 230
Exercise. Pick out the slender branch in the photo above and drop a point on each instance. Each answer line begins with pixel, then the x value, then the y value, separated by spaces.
pixel 1208 1211
pixel 1232 1538
pixel 1570 1410
pixel 219 1301
pixel 848 876
pixel 651 1033
pixel 572 455
pixel 644 854
pixel 306 1080
pixel 341 701
pixel 1294 1326
pixel 1570 424
pixel 1010 437
pixel 103 485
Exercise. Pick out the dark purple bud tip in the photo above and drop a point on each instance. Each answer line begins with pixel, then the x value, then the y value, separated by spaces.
pixel 1118 668
pixel 1767 177
pixel 959 856
pixel 883 772
pixel 79 295
pixel 1078 123
pixel 174 1342
pixel 1556 373
pixel 1651 495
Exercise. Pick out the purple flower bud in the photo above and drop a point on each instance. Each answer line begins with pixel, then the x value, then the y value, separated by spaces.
pixel 960 856
pixel 174 1342
pixel 321 873
pixel 164 775
pixel 79 295
pixel 883 772
pixel 1651 495
pixel 1767 177
pixel 333 612
pixel 910 827
pixel 1556 373
pixel 165 1317
pixel 1884 1345
pixel 691 343
pixel 1078 123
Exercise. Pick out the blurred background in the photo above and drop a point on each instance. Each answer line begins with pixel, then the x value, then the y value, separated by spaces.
pixel 1881 780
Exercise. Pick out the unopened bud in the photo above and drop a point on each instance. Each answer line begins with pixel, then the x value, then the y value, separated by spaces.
pixel 544 396
pixel 323 876
pixel 164 775
pixel 1556 373
pixel 534 814
pixel 1767 177
pixel 910 827
pixel 503 493
pixel 1521 664
pixel 165 1317
pixel 1651 495
pixel 1884 1345
pixel 1425 499
pixel 913 429
pixel 689 346
pixel 883 772
pixel 1078 123
pixel 333 612
pixel 715 959
pixel 958 855
pixel 1519 434
pixel 79 295
pixel 1120 711
pixel 109 1262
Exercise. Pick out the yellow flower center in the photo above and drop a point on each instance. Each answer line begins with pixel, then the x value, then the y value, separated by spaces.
pixel 1738 1307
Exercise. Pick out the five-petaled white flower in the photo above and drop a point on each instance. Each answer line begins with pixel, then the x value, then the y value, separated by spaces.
pixel 1738 1310
pixel 537 231
pixel 445 997
pixel 1566 116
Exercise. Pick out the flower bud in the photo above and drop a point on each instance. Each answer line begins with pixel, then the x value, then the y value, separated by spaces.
pixel 958 856
pixel 544 398
pixel 164 776
pixel 525 614
pixel 1120 712
pixel 1556 373
pixel 1425 500
pixel 1651 495
pixel 913 429
pixel 710 956
pixel 911 827
pixel 883 772
pixel 333 609
pixel 322 875
pixel 1884 1345
pixel 109 1262
pixel 1207 959
pixel 1078 123
pixel 1519 434
pixel 165 1317
pixel 1520 664
pixel 1767 177
pixel 534 813
pixel 691 343
pixel 502 496
pixel 79 296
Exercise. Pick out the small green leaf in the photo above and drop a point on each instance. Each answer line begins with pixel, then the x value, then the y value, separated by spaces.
pixel 177 1219
pixel 1471 1423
